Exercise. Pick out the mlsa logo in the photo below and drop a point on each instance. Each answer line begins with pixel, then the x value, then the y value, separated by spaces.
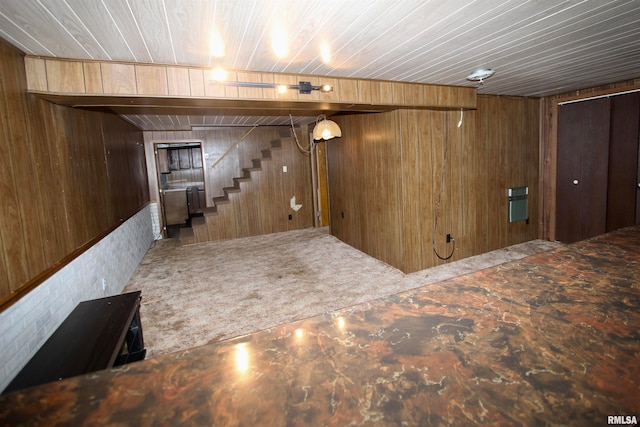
pixel 622 419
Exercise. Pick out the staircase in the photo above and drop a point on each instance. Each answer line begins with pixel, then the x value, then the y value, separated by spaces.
pixel 236 214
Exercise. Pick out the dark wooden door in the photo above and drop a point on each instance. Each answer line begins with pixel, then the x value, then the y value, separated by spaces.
pixel 638 186
pixel 583 158
pixel 622 186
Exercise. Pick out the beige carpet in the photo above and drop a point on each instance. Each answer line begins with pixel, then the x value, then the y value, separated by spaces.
pixel 193 295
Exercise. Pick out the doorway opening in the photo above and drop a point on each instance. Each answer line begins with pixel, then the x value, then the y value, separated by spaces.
pixel 180 185
pixel 321 185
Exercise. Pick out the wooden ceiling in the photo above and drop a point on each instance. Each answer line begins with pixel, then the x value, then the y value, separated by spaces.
pixel 537 48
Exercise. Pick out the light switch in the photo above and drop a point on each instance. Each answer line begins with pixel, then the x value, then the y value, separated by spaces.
pixel 284 168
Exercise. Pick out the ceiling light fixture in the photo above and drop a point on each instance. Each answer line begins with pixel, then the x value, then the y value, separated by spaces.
pixel 326 129
pixel 302 87
pixel 481 74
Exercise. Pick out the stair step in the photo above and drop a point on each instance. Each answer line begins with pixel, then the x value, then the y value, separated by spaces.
pixel 186 232
pixel 210 211
pixel 276 144
pixel 220 200
pixel 246 174
pixel 198 221
pixel 231 189
pixel 204 229
pixel 186 236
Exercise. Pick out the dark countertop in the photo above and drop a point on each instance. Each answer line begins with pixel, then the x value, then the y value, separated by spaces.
pixel 182 185
pixel 550 339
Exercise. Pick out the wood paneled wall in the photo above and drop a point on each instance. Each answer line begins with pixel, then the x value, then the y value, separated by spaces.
pixel 267 199
pixel 365 185
pixel 68 176
pixel 549 146
pixel 505 152
pixel 385 178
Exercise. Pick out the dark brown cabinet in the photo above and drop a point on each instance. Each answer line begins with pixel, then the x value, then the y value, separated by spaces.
pixel 185 158
pixel 196 158
pixel 597 166
pixel 196 199
pixel 97 335
pixel 175 206
pixel 174 160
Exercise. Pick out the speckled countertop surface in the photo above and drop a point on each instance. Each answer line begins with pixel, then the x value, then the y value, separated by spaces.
pixel 553 338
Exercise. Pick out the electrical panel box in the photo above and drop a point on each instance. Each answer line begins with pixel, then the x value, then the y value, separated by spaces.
pixel 518 205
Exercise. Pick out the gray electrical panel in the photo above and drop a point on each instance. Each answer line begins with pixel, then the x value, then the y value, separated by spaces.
pixel 518 203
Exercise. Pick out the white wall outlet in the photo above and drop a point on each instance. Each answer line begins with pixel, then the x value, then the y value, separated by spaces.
pixel 284 168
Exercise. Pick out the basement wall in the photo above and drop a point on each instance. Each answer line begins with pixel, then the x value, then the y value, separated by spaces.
pixel 27 324
pixel 387 190
pixel 69 176
pixel 75 210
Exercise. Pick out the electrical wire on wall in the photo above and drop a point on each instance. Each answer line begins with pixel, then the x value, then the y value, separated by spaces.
pixel 442 175
pixel 304 150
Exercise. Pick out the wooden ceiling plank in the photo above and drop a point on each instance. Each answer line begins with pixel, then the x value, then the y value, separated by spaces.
pixel 438 42
pixel 190 24
pixel 33 21
pixel 102 28
pixel 151 21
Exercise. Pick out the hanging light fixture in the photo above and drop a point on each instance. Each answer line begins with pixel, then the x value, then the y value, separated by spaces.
pixel 219 76
pixel 326 129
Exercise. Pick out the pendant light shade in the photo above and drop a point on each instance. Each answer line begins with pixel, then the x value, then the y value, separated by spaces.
pixel 326 129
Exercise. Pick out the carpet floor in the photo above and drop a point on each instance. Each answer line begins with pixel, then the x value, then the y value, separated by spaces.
pixel 197 294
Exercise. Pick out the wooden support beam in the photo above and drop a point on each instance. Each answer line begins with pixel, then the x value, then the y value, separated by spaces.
pixel 93 83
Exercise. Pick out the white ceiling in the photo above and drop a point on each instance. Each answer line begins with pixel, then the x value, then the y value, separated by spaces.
pixel 537 47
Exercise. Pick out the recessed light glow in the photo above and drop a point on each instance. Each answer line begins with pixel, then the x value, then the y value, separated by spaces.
pixel 325 53
pixel 280 35
pixel 281 88
pixel 217 44
pixel 219 74
pixel 280 41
